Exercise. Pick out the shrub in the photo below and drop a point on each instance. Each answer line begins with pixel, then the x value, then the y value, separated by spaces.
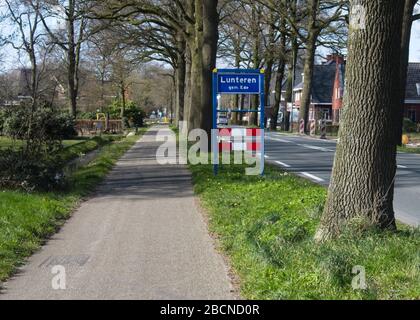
pixel 30 171
pixel 35 165
pixel 61 126
pixel 44 124
pixel 409 126
pixel 134 115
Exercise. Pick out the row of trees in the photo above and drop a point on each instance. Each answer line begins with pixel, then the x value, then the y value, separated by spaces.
pixel 277 35
pixel 272 34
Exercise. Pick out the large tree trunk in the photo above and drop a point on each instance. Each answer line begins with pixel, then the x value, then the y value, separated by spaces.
pixel 279 76
pixel 209 51
pixel 313 33
pixel 195 43
pixel 194 120
pixel 362 185
pixel 256 18
pixel 267 84
pixel 290 83
pixel 180 79
pixel 187 98
pixel 237 117
pixel 277 96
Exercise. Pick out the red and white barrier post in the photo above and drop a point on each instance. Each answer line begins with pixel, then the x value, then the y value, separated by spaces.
pixel 313 128
pixel 302 127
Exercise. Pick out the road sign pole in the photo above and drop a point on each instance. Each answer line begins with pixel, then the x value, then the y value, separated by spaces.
pixel 262 124
pixel 214 135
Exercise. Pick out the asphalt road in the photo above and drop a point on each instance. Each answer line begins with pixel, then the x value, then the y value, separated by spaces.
pixel 141 236
pixel 314 158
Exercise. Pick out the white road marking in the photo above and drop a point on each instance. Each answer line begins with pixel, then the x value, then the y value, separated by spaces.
pixel 265 156
pixel 311 176
pixel 279 140
pixel 402 167
pixel 283 164
pixel 315 148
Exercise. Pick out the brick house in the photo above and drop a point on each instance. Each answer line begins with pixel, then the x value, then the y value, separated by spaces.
pixel 328 90
pixel 412 96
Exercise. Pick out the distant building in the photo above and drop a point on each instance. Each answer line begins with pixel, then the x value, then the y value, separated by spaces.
pixel 328 86
pixel 412 95
pixel 327 90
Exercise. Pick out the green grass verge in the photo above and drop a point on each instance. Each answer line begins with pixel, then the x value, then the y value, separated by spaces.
pixel 73 150
pixel 266 226
pixel 409 150
pixel 26 220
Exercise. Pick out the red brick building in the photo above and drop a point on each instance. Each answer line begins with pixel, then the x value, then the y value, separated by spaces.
pixel 412 95
pixel 328 88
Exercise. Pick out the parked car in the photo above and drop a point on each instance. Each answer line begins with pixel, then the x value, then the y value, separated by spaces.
pixel 222 120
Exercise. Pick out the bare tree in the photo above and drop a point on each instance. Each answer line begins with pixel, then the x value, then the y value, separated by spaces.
pixel 28 37
pixel 73 30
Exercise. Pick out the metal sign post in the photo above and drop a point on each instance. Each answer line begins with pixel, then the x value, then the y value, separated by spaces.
pixel 238 81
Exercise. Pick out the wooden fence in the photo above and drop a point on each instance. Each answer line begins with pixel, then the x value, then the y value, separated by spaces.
pixel 95 127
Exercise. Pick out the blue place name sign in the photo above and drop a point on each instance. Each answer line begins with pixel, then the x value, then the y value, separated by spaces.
pixel 238 83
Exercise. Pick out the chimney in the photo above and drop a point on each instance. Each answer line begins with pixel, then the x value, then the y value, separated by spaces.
pixel 303 78
pixel 337 58
pixel 418 88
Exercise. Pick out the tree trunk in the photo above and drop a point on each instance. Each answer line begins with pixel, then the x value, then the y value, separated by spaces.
pixel 187 98
pixel 267 84
pixel 313 33
pixel 71 57
pixel 180 80
pixel 238 51
pixel 362 185
pixel 308 72
pixel 256 60
pixel 290 83
pixel 34 80
pixel 209 52
pixel 194 120
pixel 277 97
pixel 195 42
pixel 405 53
pixel 123 103
pixel 279 76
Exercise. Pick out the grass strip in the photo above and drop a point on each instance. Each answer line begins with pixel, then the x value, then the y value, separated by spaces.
pixel 267 224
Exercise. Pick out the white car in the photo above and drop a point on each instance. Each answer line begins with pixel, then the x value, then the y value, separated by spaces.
pixel 222 120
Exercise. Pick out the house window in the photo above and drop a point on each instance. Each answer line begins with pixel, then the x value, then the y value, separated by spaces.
pixel 325 114
pixel 412 115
